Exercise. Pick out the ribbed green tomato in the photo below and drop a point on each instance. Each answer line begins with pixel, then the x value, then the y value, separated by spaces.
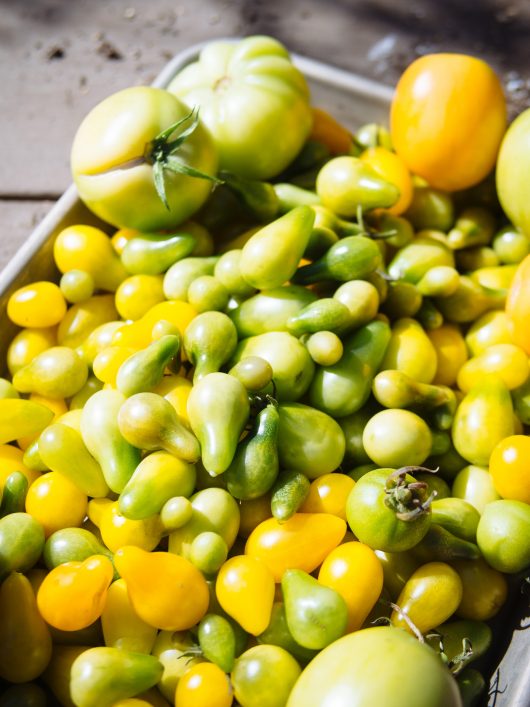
pixel 254 102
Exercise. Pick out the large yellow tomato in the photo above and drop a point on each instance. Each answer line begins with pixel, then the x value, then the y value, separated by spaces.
pixel 448 117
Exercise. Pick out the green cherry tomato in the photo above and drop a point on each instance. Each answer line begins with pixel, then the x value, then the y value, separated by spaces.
pixel 254 102
pixel 263 676
pixel 121 155
pixel 380 511
pixel 503 535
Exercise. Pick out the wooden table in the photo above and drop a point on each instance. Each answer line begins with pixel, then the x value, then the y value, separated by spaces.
pixel 58 58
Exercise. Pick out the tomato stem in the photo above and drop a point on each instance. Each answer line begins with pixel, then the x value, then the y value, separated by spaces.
pixel 407 498
pixel 161 154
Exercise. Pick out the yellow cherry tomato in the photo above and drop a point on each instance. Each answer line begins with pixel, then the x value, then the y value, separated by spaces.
pixel 447 119
pixel 40 304
pixel 137 294
pixel 166 590
pixel 451 353
pixel 489 329
pixel 121 625
pixel 27 344
pixel 355 572
pixel 56 502
pixel 122 236
pixel 139 333
pixel 245 590
pixel 89 249
pixel 391 167
pixel 328 494
pixel 72 595
pixel 204 685
pixel 302 542
pixel 510 468
pixel 108 361
pixel 507 361
pixel 117 530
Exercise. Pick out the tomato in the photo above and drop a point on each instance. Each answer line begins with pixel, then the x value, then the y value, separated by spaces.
pixel 263 676
pixel 518 306
pixel 245 590
pixel 355 572
pixel 376 666
pixel 510 468
pixel 127 168
pixel 254 102
pixel 430 596
pixel 503 535
pixel 204 685
pixel 512 166
pixel 447 120
pixel 375 505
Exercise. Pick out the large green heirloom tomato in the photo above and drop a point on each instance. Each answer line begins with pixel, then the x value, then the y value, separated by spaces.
pixel 132 170
pixel 254 102
pixel 513 171
pixel 376 667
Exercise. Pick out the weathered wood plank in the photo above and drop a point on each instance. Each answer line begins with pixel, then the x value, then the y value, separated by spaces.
pixel 17 220
pixel 59 58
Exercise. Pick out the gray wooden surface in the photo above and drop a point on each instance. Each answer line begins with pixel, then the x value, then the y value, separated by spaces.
pixel 58 58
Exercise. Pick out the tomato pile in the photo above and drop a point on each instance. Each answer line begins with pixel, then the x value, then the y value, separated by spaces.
pixel 264 442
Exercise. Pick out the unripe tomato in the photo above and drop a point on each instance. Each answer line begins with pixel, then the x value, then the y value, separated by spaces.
pixel 448 117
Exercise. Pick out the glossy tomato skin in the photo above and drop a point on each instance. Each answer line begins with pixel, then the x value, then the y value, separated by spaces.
pixel 512 172
pixel 376 666
pixel 111 173
pixel 254 102
pixel 448 117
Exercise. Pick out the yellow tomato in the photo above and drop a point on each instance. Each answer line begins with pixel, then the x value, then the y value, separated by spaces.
pixel 245 590
pixel 327 130
pixel 451 352
pixel 355 572
pixel 55 502
pixel 302 542
pixel 40 304
pixel 448 117
pixel 510 468
pixel 204 685
pixel 137 294
pixel 72 595
pixel 27 344
pixel 393 169
pixel 328 494
pixel 518 306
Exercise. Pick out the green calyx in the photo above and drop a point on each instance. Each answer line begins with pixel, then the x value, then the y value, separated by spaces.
pixel 162 151
pixel 408 499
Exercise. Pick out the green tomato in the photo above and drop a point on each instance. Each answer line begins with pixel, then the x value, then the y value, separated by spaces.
pixel 511 173
pixel 376 666
pixel 375 508
pixel 503 535
pixel 117 154
pixel 254 102
pixel 263 676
